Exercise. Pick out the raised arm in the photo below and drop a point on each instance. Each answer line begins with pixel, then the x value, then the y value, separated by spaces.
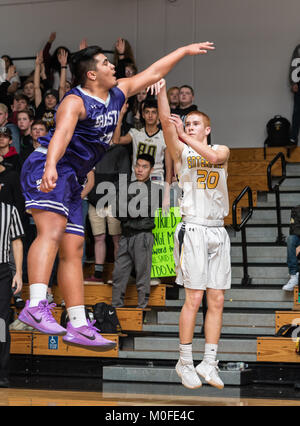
pixel 69 112
pixel 63 60
pixel 37 79
pixel 175 147
pixel 131 86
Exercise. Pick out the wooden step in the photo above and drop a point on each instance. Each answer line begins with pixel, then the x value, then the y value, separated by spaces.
pixel 252 168
pixel 35 343
pixel 277 349
pixel 95 293
pixel 256 183
pixel 296 306
pixel 131 319
pixel 257 154
pixel 21 342
pixel 286 317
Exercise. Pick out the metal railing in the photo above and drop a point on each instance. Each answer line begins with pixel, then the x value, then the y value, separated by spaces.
pixel 276 189
pixel 246 280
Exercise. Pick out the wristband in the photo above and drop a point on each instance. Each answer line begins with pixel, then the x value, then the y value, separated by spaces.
pixel 64 67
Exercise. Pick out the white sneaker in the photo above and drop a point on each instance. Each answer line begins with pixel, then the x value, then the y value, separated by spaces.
pixel 292 282
pixel 209 371
pixel 188 375
pixel 155 281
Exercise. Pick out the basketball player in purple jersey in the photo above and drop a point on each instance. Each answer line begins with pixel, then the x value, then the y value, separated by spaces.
pixel 52 179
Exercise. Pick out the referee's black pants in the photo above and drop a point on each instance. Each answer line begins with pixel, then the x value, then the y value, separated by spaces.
pixel 5 298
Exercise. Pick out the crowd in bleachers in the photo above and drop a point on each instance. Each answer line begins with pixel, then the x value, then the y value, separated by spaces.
pixel 27 111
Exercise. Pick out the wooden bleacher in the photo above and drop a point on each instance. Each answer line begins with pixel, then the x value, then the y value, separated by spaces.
pixel 35 343
pixel 281 349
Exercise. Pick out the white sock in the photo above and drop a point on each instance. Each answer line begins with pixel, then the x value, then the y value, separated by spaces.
pixel 210 352
pixel 38 292
pixel 77 316
pixel 186 354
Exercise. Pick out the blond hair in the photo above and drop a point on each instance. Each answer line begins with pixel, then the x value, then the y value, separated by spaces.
pixel 3 108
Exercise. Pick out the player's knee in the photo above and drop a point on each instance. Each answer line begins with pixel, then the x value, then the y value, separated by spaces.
pixel 194 300
pixel 216 302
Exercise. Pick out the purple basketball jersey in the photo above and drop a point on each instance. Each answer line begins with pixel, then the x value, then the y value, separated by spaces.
pixel 93 134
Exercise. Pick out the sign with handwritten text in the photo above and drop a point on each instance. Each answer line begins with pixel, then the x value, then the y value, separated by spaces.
pixel 163 233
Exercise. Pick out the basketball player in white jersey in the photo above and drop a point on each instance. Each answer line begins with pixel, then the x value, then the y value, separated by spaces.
pixel 202 245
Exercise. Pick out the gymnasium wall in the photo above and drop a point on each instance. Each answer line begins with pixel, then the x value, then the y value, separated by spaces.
pixel 240 85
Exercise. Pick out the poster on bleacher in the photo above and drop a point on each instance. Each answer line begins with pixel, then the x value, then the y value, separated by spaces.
pixel 162 254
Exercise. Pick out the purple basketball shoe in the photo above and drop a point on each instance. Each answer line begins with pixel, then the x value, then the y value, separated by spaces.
pixel 87 336
pixel 40 317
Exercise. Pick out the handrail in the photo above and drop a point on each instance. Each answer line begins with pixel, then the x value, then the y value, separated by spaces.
pixel 237 226
pixel 246 280
pixel 280 155
pixel 283 170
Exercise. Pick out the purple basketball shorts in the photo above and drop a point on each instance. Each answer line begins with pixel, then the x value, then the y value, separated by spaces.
pixel 64 199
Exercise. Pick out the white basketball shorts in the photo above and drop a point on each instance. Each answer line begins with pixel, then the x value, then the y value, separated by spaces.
pixel 202 257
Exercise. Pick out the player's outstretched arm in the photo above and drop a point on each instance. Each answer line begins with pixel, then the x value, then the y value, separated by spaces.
pixel 69 112
pixel 174 146
pixel 131 86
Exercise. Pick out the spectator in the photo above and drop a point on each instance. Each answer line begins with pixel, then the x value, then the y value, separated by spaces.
pixel 46 106
pixel 52 63
pixel 186 99
pixel 20 103
pixel 89 184
pixel 15 82
pixel 25 120
pixel 173 98
pixel 116 162
pixel 5 82
pixel 11 232
pixel 149 140
pixel 136 242
pixel 28 90
pixel 293 249
pixel 38 129
pixel 16 138
pixel 8 153
pixel 123 56
pixel 10 189
pixel 134 115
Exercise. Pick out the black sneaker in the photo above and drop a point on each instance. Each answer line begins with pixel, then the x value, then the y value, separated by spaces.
pixel 19 302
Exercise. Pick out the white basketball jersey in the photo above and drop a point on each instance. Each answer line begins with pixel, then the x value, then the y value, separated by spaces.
pixel 204 185
pixel 153 145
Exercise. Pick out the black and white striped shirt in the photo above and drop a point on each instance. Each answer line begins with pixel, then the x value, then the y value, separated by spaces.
pixel 10 229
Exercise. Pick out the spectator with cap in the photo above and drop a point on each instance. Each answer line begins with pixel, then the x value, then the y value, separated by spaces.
pixel 16 137
pixel 45 105
pixel 8 153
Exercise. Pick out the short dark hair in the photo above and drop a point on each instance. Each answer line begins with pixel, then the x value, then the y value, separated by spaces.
pixel 146 157
pixel 187 87
pixel 40 123
pixel 19 96
pixel 29 113
pixel 82 62
pixel 149 103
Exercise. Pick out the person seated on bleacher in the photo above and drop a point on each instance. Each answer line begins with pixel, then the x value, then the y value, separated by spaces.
pixel 136 212
pixel 293 249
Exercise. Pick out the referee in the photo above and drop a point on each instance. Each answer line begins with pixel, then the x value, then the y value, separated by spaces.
pixel 11 232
